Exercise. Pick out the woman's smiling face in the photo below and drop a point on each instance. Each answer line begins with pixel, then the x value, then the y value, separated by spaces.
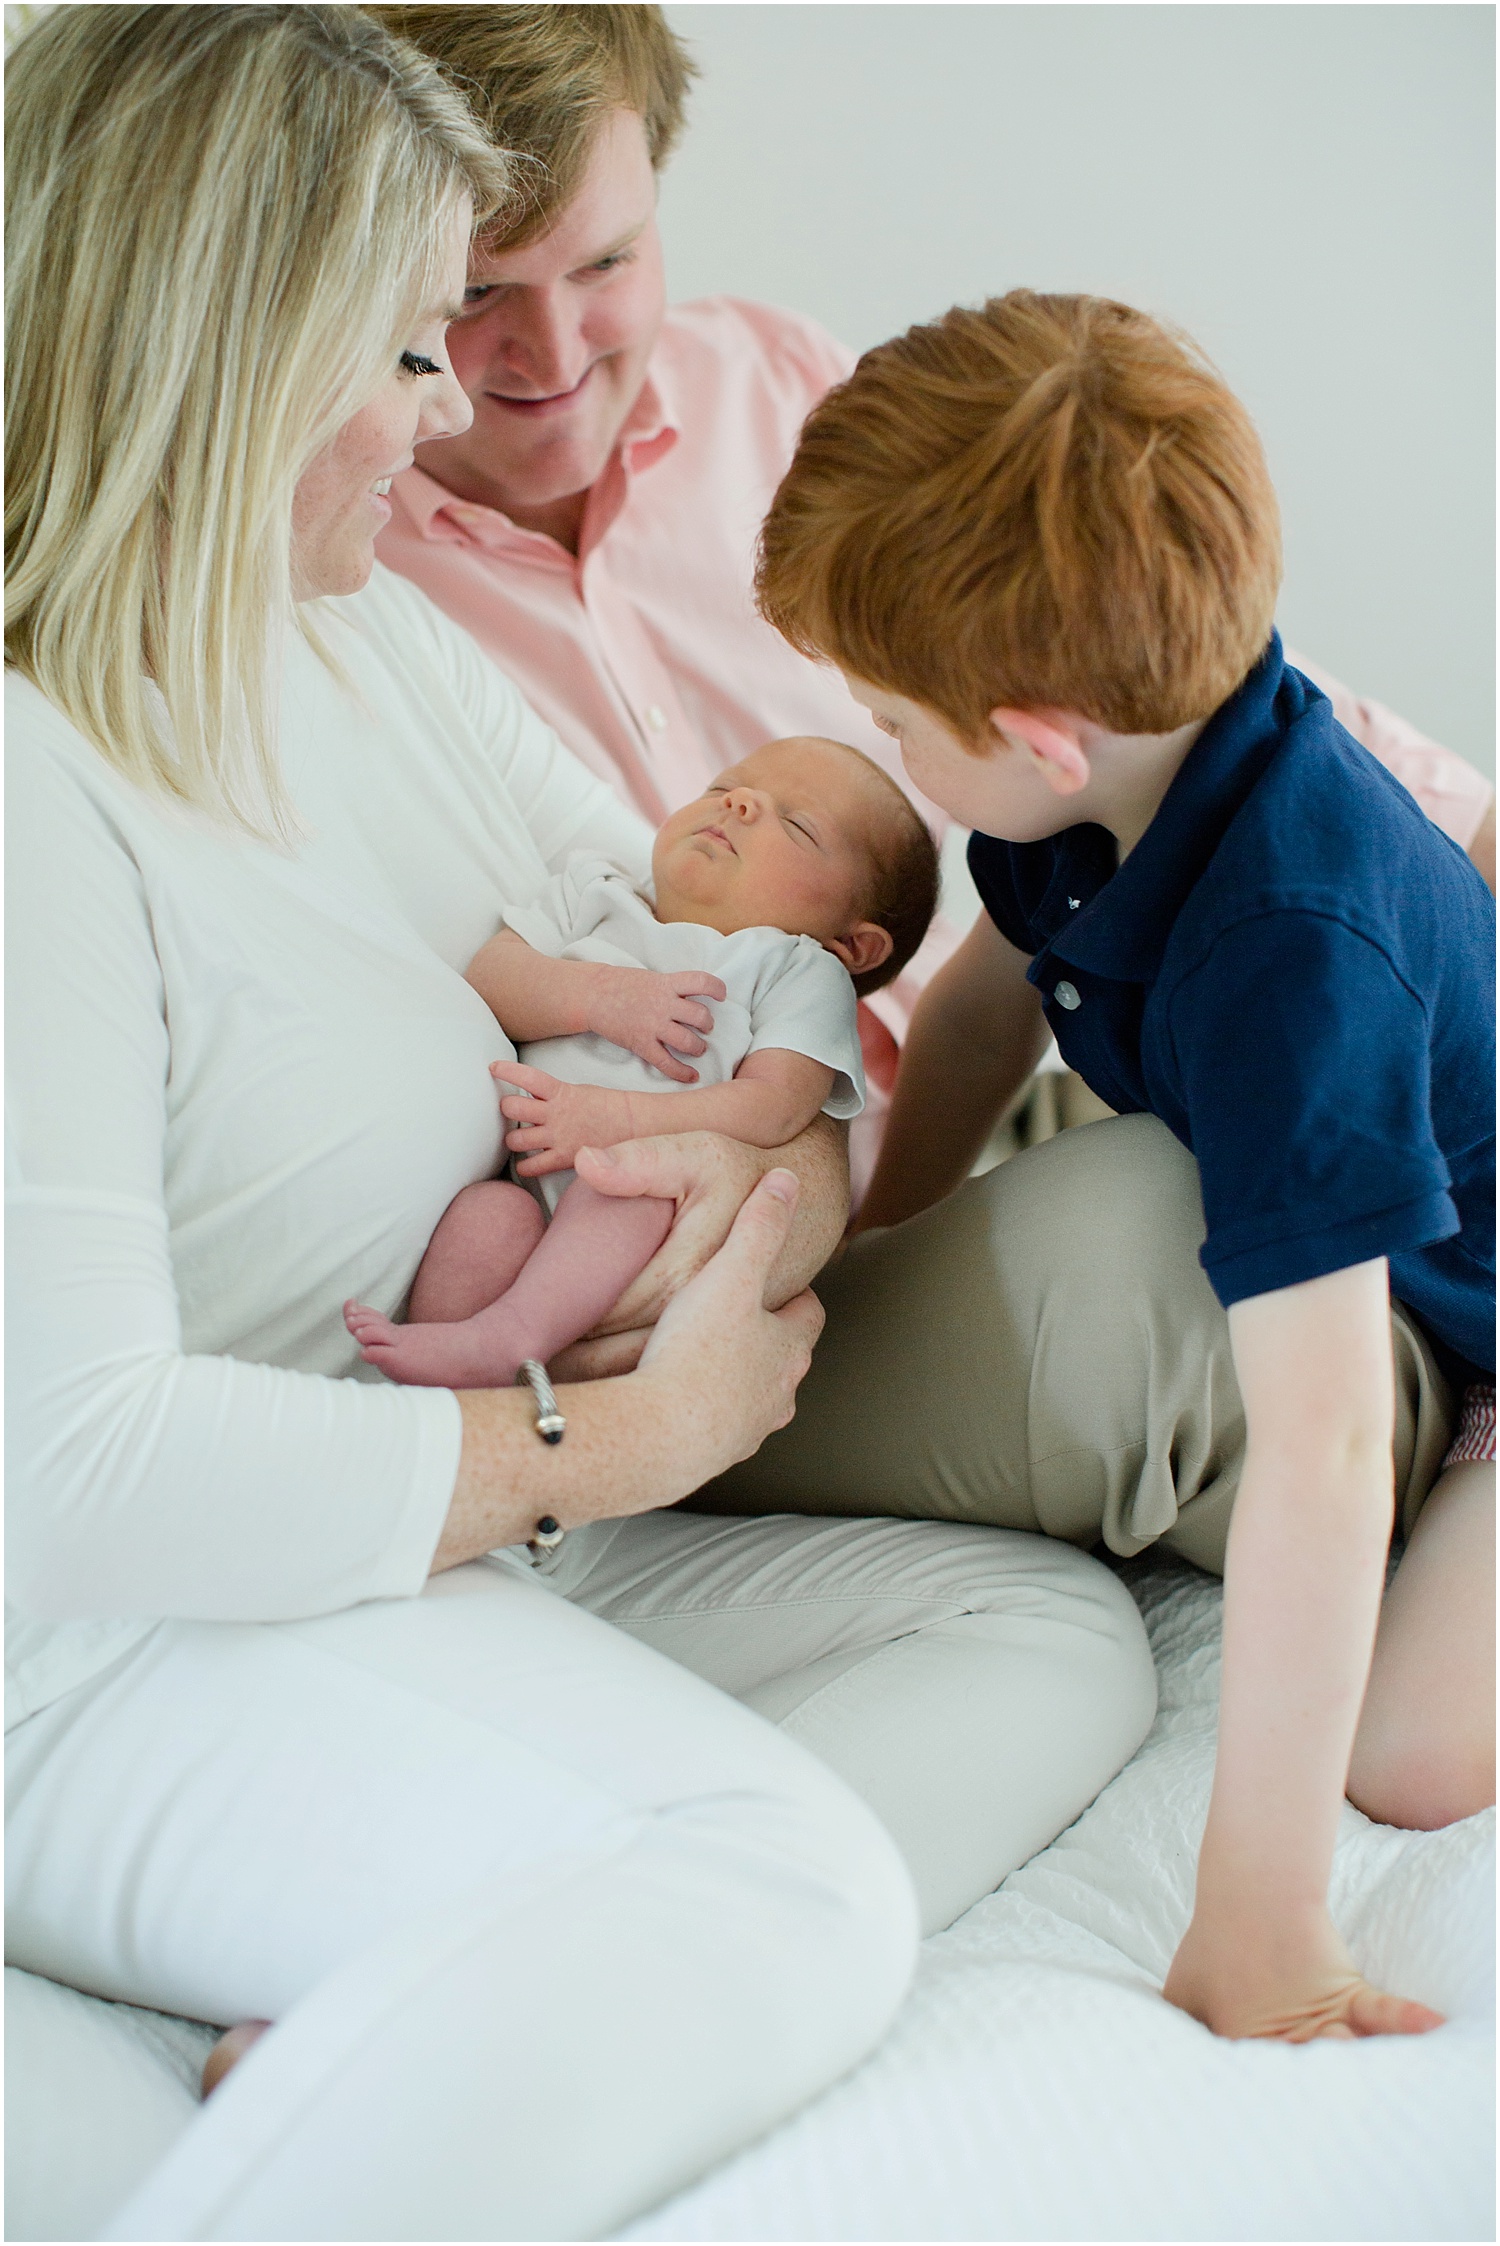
pixel 341 502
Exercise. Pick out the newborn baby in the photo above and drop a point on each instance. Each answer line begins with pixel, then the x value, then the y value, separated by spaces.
pixel 802 879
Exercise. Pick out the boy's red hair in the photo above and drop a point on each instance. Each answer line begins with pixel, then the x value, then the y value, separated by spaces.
pixel 1051 502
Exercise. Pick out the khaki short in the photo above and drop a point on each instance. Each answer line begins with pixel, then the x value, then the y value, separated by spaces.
pixel 1043 1351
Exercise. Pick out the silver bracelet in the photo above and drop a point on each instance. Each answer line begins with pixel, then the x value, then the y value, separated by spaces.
pixel 551 1426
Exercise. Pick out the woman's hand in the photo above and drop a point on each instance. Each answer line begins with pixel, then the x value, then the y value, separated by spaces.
pixel 720 1373
pixel 729 1361
pixel 1265 1977
pixel 708 1176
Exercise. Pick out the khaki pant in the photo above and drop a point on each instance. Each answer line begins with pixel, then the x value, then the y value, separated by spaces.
pixel 1044 1351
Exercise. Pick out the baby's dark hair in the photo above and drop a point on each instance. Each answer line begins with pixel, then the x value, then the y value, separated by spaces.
pixel 903 892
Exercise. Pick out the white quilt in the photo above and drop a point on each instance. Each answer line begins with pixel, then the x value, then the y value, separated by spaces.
pixel 1035 2085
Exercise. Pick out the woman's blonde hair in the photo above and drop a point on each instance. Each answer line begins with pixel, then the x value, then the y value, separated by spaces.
pixel 220 223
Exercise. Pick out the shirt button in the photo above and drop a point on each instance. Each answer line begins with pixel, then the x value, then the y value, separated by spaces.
pixel 1066 996
pixel 1074 903
pixel 656 718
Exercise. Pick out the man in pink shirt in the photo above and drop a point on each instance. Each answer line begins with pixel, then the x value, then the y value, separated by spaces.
pixel 594 528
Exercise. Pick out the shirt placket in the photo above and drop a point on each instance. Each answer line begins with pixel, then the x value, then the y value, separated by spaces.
pixel 673 758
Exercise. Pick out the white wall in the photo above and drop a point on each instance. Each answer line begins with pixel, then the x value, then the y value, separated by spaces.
pixel 1308 190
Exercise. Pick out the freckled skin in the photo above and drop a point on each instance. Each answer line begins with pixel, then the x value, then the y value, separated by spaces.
pixel 337 511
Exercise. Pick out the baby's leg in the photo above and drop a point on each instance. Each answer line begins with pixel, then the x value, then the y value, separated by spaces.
pixel 481 1244
pixel 593 1248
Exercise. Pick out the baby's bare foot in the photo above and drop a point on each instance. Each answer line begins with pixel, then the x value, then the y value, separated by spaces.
pixel 229 2050
pixel 474 1353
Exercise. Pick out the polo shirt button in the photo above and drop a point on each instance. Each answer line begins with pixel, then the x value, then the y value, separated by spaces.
pixel 656 718
pixel 1066 996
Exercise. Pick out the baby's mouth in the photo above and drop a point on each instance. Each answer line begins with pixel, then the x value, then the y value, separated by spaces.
pixel 719 836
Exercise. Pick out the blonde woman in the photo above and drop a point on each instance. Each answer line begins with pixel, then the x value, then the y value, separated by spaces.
pixel 547 1924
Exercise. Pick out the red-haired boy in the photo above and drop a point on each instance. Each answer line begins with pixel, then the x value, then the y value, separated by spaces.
pixel 1040 541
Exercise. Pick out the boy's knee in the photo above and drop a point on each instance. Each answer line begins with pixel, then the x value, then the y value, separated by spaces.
pixel 1421 1784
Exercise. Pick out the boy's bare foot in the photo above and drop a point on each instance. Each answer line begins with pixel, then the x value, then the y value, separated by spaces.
pixel 229 2050
pixel 474 1353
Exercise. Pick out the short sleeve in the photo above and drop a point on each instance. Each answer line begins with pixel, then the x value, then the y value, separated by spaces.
pixel 1303 1060
pixel 805 1003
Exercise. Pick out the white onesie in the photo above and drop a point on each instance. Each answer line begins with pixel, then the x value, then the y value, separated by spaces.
pixel 784 991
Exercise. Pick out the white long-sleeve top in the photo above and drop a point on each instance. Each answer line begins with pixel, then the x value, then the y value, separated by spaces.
pixel 244 1085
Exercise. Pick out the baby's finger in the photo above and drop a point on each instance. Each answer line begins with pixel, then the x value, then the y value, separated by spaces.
pixel 520 1107
pixel 533 1080
pixel 699 986
pixel 666 1061
pixel 540 1165
pixel 693 1018
pixel 685 1040
pixel 519 1142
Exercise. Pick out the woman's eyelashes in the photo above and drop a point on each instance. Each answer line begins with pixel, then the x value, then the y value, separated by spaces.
pixel 413 362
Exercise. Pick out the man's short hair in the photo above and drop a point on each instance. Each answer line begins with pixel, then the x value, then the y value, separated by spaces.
pixel 1051 502
pixel 543 79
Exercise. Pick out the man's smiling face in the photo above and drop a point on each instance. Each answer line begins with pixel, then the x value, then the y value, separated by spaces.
pixel 554 342
pixel 781 840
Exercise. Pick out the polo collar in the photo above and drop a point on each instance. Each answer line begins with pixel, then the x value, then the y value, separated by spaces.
pixel 1122 931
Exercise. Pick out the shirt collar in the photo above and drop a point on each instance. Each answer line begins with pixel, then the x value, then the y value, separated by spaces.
pixel 650 430
pixel 1123 931
pixel 654 422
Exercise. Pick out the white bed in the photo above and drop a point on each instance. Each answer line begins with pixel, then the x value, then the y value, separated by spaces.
pixel 1034 2087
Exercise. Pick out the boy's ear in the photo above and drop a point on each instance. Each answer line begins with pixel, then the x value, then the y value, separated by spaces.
pixel 864 947
pixel 1051 738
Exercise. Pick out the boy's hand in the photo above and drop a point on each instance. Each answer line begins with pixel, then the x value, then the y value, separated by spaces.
pixel 1267 1979
pixel 659 1017
pixel 553 1120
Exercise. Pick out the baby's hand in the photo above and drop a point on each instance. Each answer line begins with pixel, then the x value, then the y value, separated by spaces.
pixel 554 1119
pixel 660 1017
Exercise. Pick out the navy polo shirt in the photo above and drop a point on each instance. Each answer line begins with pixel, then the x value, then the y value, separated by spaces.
pixel 1294 969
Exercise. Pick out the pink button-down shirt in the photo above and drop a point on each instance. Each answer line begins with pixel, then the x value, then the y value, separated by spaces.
pixel 645 652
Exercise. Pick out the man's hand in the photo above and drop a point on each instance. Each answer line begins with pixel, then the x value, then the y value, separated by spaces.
pixel 552 1120
pixel 1264 1975
pixel 658 1017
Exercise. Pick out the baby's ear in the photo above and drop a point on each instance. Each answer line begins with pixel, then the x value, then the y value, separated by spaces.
pixel 864 947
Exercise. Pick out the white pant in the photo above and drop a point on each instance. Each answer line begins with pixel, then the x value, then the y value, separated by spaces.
pixel 549 1926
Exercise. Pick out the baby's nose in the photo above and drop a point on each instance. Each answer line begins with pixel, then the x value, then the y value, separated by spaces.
pixel 743 802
